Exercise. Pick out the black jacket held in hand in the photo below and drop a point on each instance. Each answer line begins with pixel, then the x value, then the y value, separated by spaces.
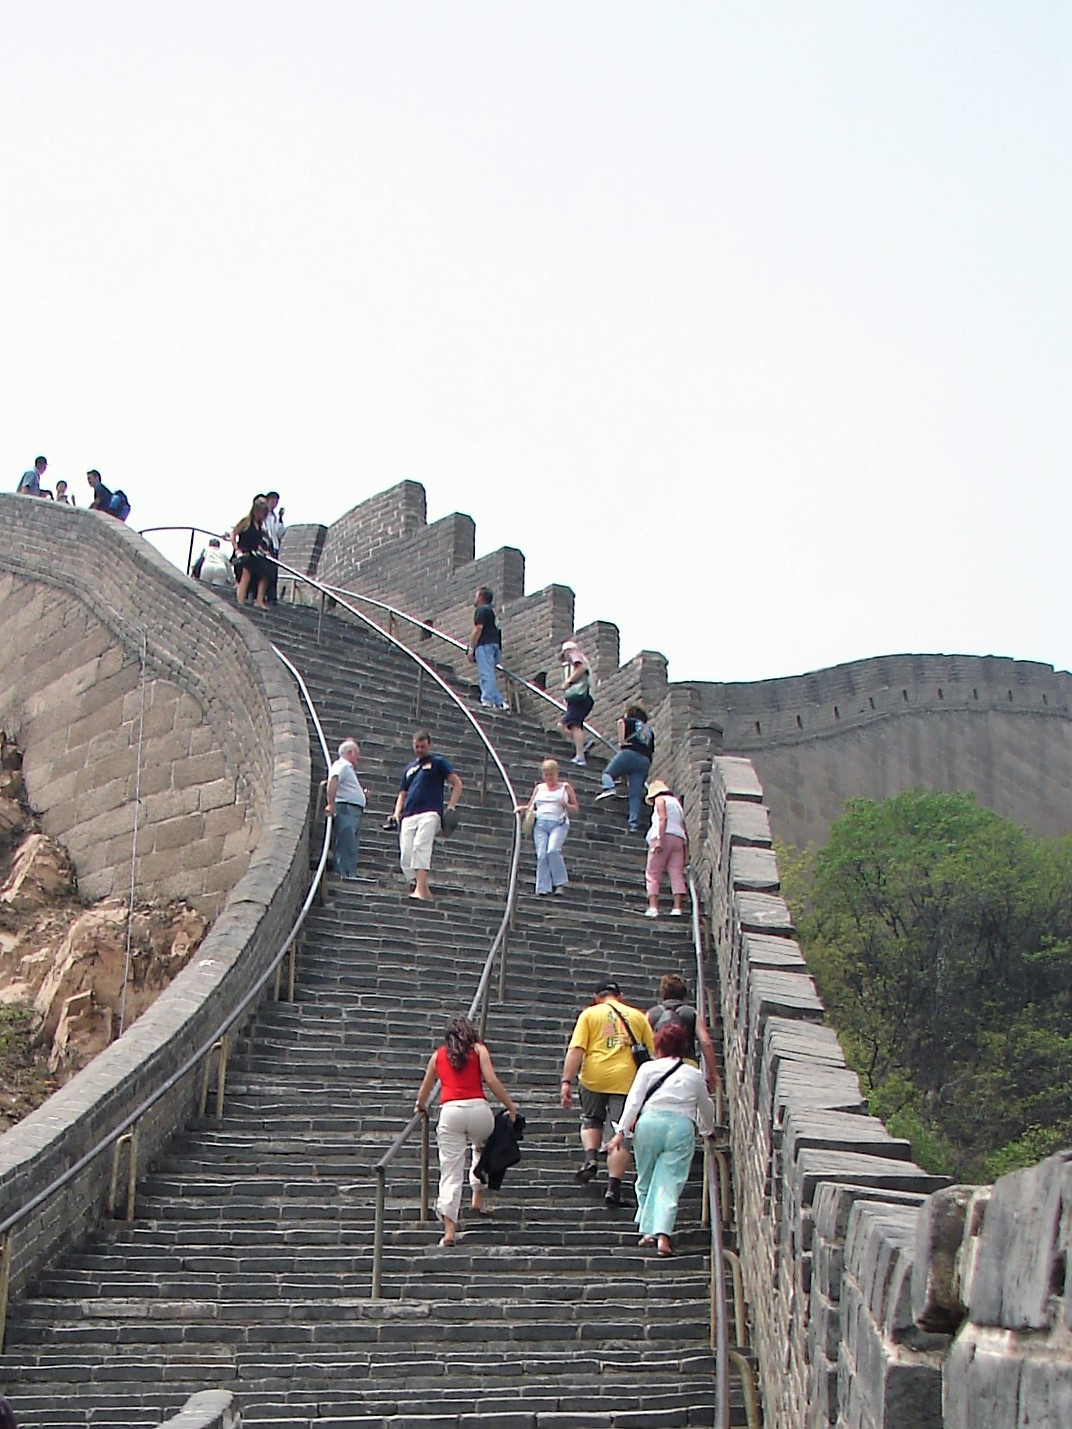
pixel 500 1150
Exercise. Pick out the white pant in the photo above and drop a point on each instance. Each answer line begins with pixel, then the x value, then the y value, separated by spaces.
pixel 470 1118
pixel 415 840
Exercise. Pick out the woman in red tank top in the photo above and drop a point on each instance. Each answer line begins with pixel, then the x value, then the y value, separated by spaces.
pixel 463 1067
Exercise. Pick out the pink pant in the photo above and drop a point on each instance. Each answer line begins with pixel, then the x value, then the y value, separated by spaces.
pixel 668 859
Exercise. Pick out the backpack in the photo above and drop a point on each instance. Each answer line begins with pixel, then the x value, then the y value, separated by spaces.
pixel 668 1014
pixel 119 506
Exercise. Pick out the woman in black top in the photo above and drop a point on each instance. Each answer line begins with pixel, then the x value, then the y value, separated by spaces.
pixel 250 540
pixel 636 745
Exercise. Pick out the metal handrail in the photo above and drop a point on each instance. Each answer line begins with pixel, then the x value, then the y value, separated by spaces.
pixel 194 531
pixel 425 626
pixel 498 945
pixel 218 1038
pixel 428 628
pixel 714 1171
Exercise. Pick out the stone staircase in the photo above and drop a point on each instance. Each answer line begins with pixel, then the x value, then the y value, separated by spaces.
pixel 248 1266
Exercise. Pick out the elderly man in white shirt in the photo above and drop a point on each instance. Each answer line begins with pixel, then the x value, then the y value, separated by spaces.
pixel 667 1102
pixel 346 804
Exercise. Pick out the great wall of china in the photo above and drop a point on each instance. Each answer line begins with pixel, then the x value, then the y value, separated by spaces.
pixel 879 1297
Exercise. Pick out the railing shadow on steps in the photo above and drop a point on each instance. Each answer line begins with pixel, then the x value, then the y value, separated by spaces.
pixel 124 1137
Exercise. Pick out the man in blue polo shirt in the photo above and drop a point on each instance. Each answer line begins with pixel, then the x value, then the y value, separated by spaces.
pixel 419 810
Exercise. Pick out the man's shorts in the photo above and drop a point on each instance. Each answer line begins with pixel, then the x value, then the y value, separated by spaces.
pixel 596 1105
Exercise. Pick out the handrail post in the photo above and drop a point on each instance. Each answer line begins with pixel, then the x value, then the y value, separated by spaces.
pixel 377 1233
pixel 420 691
pixel 292 970
pixel 190 553
pixel 484 780
pixel 740 1321
pixel 705 1204
pixel 502 968
pixel 5 1283
pixel 748 1384
pixel 425 1169
pixel 484 1009
pixel 221 1075
pixel 320 616
pixel 130 1140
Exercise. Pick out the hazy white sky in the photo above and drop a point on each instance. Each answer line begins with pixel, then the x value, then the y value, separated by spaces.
pixel 751 322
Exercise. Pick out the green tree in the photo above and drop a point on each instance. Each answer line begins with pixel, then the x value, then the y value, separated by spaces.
pixel 940 935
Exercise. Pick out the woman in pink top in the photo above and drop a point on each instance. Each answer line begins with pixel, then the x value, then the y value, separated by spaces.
pixel 463 1067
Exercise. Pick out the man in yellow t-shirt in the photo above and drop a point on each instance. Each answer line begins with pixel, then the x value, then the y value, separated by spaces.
pixel 600 1050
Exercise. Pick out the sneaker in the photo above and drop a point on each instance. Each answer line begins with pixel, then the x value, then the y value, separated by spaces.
pixel 588 743
pixel 651 912
pixel 633 828
pixel 578 759
pixel 587 1172
pixel 612 1198
pixel 605 794
pixel 677 912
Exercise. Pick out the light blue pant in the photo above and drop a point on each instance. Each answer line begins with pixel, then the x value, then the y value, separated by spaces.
pixel 548 836
pixel 487 657
pixel 662 1146
pixel 347 831
pixel 628 764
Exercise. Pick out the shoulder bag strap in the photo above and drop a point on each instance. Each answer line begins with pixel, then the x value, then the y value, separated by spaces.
pixel 654 1088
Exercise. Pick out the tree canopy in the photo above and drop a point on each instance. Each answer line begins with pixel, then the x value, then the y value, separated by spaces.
pixel 940 935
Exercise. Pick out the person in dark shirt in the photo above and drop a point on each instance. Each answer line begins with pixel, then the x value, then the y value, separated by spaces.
pixel 485 648
pixel 636 745
pixel 102 496
pixel 419 814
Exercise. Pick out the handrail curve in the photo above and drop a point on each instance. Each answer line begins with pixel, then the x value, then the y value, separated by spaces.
pixel 123 1128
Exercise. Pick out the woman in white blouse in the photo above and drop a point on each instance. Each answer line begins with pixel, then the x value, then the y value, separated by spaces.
pixel 552 801
pixel 667 1101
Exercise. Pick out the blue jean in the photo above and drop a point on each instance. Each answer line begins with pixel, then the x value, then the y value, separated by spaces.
pixel 548 836
pixel 487 657
pixel 663 1144
pixel 347 829
pixel 628 764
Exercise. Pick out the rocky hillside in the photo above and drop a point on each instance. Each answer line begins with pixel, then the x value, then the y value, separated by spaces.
pixel 63 963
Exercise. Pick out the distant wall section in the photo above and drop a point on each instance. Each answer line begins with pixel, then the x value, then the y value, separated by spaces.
pixel 1000 728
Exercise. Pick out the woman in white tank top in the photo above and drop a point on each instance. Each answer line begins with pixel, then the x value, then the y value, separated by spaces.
pixel 551 801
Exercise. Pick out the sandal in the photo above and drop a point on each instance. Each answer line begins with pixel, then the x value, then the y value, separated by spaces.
pixel 646 1240
pixel 666 1249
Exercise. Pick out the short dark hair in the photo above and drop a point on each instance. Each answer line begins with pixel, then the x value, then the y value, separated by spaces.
pixel 637 712
pixel 94 472
pixel 671 1040
pixel 486 594
pixel 270 494
pixel 39 459
pixel 673 986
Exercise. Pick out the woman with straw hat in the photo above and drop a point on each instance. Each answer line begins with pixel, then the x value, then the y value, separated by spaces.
pixel 667 848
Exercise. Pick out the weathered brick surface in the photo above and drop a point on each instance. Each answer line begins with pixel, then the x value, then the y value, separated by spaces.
pixel 220 715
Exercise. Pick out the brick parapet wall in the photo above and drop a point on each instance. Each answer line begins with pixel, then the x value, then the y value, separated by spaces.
pixel 201 655
pixel 798 1125
pixel 381 521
